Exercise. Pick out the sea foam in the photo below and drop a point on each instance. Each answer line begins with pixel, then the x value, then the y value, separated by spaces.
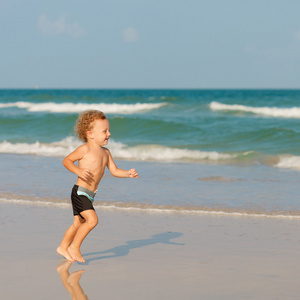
pixel 109 108
pixel 276 112
pixel 159 209
pixel 119 151
pixel 157 153
pixel 289 162
pixel 162 153
pixel 61 148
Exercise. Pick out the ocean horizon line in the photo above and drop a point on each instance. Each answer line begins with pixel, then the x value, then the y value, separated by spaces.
pixel 150 89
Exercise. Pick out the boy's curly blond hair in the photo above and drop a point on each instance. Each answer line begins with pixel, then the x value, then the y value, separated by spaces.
pixel 85 122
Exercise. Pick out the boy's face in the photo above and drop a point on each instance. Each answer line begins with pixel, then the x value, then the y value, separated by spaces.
pixel 100 132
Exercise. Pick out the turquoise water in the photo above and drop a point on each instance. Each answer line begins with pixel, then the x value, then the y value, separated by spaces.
pixel 239 149
pixel 231 126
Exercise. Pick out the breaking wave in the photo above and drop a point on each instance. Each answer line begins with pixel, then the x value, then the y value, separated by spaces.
pixel 154 153
pixel 276 112
pixel 289 162
pixel 61 148
pixel 119 151
pixel 113 108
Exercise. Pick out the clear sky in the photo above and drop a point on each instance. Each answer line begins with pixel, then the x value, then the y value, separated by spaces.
pixel 150 44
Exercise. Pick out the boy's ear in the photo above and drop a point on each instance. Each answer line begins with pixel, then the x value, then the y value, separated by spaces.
pixel 89 134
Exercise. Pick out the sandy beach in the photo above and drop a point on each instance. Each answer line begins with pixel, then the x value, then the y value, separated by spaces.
pixel 202 120
pixel 135 255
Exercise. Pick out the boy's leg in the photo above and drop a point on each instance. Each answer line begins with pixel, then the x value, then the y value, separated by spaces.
pixel 68 238
pixel 91 220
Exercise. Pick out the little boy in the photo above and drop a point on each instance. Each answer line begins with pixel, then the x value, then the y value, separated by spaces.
pixel 92 127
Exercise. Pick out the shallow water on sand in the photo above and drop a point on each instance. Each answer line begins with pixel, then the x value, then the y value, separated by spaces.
pixel 162 187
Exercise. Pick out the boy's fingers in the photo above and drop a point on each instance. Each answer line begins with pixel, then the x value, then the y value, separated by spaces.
pixel 89 173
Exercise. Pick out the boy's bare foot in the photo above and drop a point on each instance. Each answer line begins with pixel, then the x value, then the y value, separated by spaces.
pixel 64 253
pixel 76 255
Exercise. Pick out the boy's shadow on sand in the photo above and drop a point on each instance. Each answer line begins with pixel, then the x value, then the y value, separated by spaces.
pixel 124 250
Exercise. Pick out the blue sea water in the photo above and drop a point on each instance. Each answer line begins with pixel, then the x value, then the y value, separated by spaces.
pixel 233 150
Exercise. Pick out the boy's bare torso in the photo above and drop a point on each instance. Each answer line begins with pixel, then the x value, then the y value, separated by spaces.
pixel 95 159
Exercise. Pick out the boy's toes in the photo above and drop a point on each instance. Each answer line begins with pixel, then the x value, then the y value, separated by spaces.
pixel 80 259
pixel 76 255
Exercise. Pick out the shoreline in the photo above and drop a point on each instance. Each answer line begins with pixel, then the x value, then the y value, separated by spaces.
pixel 134 255
pixel 10 198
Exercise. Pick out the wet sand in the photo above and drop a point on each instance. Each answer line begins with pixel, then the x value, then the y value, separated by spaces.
pixel 135 255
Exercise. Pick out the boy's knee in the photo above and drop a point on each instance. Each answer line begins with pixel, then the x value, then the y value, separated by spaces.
pixel 78 222
pixel 76 225
pixel 91 218
pixel 93 222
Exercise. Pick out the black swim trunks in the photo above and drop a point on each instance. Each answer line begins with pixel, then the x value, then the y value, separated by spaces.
pixel 80 203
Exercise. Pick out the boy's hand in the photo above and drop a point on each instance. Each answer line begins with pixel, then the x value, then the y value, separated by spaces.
pixel 133 173
pixel 86 175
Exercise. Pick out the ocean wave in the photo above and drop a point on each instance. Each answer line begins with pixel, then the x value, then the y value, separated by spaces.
pixel 276 112
pixel 166 154
pixel 112 108
pixel 61 148
pixel 158 209
pixel 289 162
pixel 157 153
pixel 119 151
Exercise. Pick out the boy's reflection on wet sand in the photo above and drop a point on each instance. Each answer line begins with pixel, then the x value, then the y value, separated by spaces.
pixel 71 281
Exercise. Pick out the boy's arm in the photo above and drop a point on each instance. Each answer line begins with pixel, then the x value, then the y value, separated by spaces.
pixel 69 163
pixel 115 171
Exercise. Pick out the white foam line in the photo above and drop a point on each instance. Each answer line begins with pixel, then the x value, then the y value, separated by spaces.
pixel 289 162
pixel 293 112
pixel 38 203
pixel 119 150
pixel 156 210
pixel 197 212
pixel 109 108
